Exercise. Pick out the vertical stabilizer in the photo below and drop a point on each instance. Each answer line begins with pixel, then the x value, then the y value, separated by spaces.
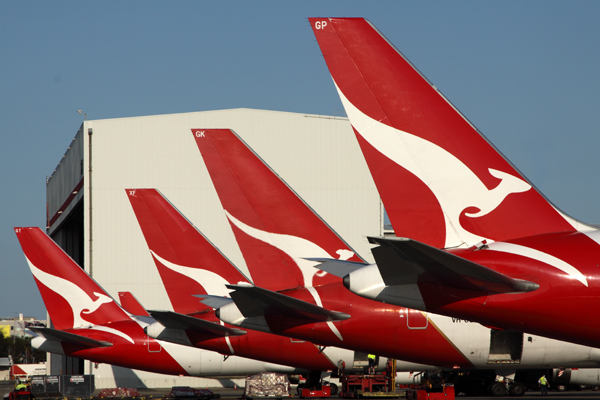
pixel 187 262
pixel 275 229
pixel 441 181
pixel 132 305
pixel 73 299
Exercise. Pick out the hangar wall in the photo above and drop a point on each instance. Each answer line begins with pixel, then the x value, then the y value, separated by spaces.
pixel 318 156
pixel 64 185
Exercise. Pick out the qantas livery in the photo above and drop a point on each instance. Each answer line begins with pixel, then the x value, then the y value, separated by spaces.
pixel 191 267
pixel 130 304
pixel 475 239
pixel 89 324
pixel 279 234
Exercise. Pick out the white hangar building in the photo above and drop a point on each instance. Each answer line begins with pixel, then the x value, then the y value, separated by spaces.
pixel 90 216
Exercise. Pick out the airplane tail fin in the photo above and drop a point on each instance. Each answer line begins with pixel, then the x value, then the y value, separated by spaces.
pixel 132 305
pixel 186 261
pixel 73 299
pixel 275 229
pixel 441 181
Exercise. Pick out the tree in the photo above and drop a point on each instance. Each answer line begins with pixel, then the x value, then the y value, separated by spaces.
pixel 19 348
pixel 5 343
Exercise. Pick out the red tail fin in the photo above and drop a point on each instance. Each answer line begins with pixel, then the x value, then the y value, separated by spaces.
pixel 263 209
pixel 73 299
pixel 187 262
pixel 131 304
pixel 441 181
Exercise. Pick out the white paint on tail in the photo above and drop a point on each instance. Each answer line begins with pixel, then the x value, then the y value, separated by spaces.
pixel 79 301
pixel 213 284
pixel 298 249
pixel 454 185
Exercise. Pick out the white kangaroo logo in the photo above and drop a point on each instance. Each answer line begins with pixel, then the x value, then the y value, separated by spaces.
pixel 298 249
pixel 213 284
pixel 78 299
pixel 454 185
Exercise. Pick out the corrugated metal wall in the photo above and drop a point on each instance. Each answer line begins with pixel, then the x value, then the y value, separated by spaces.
pixel 63 181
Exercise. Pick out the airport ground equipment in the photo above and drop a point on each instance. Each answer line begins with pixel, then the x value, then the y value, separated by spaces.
pixel 267 385
pixel 366 385
pixel 434 387
pixel 63 386
pixel 314 386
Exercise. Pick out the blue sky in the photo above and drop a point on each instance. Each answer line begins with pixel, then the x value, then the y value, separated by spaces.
pixel 525 73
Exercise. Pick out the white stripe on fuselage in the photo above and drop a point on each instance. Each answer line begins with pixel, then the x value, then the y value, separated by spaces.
pixel 539 256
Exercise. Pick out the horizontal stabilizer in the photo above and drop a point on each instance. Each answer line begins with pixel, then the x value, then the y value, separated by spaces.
pixel 401 257
pixel 213 301
pixel 253 301
pixel 333 266
pixel 70 338
pixel 173 320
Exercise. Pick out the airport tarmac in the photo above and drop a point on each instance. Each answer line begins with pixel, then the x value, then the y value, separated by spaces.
pixel 230 393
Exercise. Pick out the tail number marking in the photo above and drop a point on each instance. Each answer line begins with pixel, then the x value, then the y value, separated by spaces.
pixel 320 24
